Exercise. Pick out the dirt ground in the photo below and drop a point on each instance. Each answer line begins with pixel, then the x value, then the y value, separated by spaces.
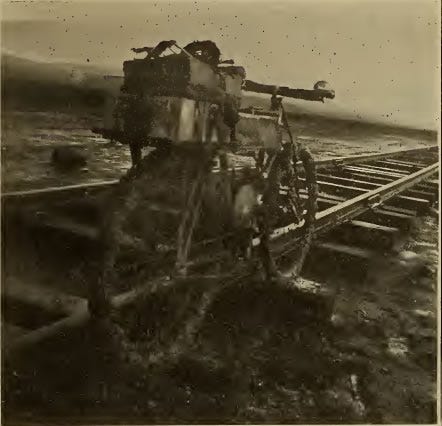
pixel 262 355
pixel 28 138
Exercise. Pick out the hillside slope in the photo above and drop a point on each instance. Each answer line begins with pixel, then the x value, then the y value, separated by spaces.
pixel 41 85
pixel 66 87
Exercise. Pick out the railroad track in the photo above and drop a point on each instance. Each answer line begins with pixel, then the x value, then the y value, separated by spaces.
pixel 365 202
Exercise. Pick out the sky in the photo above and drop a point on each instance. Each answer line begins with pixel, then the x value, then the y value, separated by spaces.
pixel 381 56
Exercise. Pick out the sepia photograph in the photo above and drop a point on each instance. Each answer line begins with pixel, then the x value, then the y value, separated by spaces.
pixel 220 212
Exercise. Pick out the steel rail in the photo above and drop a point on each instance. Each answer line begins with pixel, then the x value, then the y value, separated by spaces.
pixel 349 209
pixel 95 186
pixel 59 190
pixel 360 158
pixel 372 199
pixel 325 221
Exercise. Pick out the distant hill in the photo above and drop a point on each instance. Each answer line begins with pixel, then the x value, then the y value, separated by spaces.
pixel 56 71
pixel 29 84
pixel 320 121
pixel 33 84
